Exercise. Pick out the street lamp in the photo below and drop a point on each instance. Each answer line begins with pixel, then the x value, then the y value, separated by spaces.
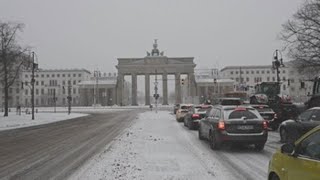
pixel 277 63
pixel 34 67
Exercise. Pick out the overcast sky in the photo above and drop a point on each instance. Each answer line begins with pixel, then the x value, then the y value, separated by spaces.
pixel 93 34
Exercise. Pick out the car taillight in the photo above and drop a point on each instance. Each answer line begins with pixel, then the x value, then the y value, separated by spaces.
pixel 195 116
pixel 265 125
pixel 221 125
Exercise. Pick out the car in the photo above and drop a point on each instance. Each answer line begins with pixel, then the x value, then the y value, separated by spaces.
pixel 182 111
pixel 292 129
pixel 191 120
pixel 298 160
pixel 175 108
pixel 230 101
pixel 234 124
pixel 268 114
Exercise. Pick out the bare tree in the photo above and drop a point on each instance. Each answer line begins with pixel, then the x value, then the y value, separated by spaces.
pixel 301 35
pixel 12 57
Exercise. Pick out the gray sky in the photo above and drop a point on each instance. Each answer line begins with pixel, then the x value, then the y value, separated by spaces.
pixel 92 34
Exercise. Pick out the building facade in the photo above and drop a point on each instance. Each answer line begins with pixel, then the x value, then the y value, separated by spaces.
pixel 246 77
pixel 52 87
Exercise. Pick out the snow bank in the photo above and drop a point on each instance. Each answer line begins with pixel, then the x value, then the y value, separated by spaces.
pixel 14 121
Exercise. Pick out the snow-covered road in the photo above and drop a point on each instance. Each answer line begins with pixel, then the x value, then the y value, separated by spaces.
pixel 157 147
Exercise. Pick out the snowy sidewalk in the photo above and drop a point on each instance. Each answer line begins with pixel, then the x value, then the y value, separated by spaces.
pixel 14 121
pixel 155 147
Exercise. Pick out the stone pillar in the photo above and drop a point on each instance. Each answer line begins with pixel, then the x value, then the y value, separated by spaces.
pixel 165 88
pixel 113 92
pixel 206 92
pixel 134 90
pixel 192 86
pixel 177 88
pixel 147 89
pixel 120 89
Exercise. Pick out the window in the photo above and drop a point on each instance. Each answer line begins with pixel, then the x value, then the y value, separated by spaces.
pixel 63 75
pixel 37 91
pixel 247 72
pixel 42 91
pixel 52 75
pixel 310 147
pixel 63 91
pixel 69 82
pixel 284 87
pixel 74 75
pixel 37 102
pixel 26 76
pixel 42 83
pixel 17 90
pixel 268 78
pixel 231 72
pixel 239 114
pixel 257 72
pixel 305 116
pixel 273 72
pixel 273 79
pixel 252 72
pixel 74 82
pixel 292 89
pixel 237 72
pixel 284 78
pixel 37 83
pixel 237 79
pixel 48 75
pixel 79 81
pixel 248 79
pixel 74 90
pixel 316 115
pixel 58 75
pixel 79 75
pixel 262 72
pixel 268 72
pixel 69 75
pixel 26 92
pixel 63 83
pixel 42 75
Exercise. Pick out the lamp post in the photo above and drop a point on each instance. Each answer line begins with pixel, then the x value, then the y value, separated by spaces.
pixel 277 63
pixel 34 67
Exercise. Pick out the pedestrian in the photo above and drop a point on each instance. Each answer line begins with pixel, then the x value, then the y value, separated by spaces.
pixel 151 107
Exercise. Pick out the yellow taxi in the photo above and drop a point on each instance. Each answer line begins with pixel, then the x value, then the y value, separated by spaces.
pixel 299 160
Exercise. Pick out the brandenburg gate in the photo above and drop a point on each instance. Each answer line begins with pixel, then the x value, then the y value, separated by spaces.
pixel 155 63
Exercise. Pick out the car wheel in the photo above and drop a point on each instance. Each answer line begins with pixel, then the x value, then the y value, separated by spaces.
pixel 200 134
pixel 190 125
pixel 259 146
pixel 213 142
pixel 274 177
pixel 283 135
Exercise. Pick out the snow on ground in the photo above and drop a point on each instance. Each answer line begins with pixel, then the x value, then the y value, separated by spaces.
pixel 155 147
pixel 14 121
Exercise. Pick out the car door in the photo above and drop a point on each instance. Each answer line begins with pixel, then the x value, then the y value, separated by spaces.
pixel 304 120
pixel 207 121
pixel 306 163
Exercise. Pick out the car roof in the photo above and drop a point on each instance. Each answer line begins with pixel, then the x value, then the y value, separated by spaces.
pixel 314 108
pixel 230 98
pixel 258 105
pixel 234 106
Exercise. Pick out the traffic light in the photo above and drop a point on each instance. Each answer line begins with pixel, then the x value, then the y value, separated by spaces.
pixel 182 81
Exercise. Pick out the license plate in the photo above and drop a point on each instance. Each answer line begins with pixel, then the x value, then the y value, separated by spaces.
pixel 245 127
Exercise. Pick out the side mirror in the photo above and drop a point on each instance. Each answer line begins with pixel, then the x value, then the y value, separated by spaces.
pixel 288 148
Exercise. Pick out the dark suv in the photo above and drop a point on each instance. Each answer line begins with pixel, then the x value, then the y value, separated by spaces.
pixel 234 124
